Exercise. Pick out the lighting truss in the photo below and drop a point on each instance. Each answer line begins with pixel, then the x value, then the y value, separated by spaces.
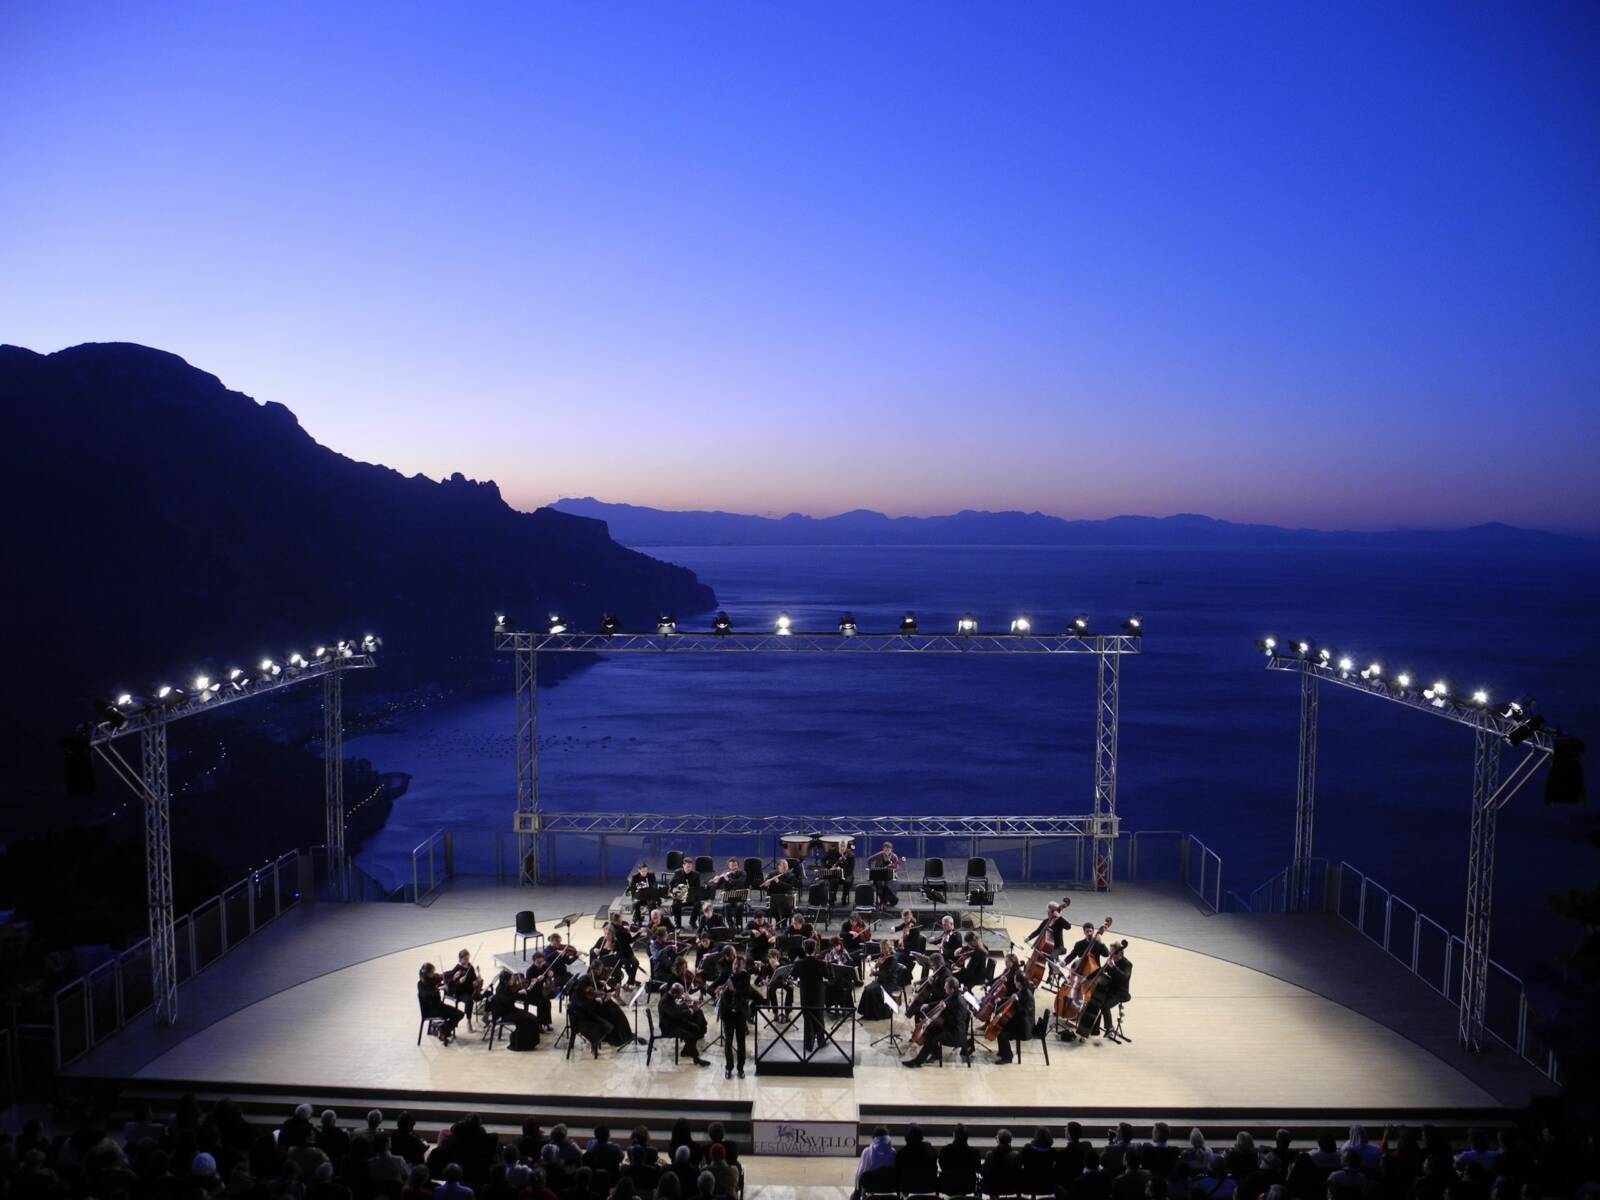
pixel 1492 731
pixel 735 825
pixel 149 780
pixel 1107 649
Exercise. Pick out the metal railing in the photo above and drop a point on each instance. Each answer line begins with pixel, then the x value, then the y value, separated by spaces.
pixel 1202 872
pixel 92 1007
pixel 452 852
pixel 1272 896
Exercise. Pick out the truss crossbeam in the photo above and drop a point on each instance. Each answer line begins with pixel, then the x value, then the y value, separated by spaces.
pixel 671 824
pixel 819 643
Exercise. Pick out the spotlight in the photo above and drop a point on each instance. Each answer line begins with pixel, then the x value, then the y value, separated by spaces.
pixel 967 625
pixel 557 625
pixel 908 624
pixel 503 623
pixel 1480 698
pixel 1021 626
pixel 1346 665
pixel 1525 731
pixel 320 654
pixel 344 649
pixel 111 711
pixel 610 625
pixel 124 700
pixel 1303 647
pixel 1080 623
pixel 297 661
pixel 168 696
pixel 847 625
pixel 720 625
pixel 1403 681
pixel 205 687
pixel 1373 670
pixel 1437 692
pixel 666 625
pixel 268 668
pixel 370 643
pixel 782 625
pixel 1134 625
pixel 1267 645
pixel 237 679
pixel 1517 709
pixel 1325 656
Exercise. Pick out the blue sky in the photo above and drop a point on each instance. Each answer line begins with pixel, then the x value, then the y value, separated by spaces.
pixel 1310 264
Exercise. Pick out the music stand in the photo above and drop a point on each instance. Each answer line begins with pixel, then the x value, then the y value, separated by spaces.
pixel 880 878
pixel 980 898
pixel 892 1037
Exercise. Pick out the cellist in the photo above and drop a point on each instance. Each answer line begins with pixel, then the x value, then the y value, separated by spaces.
pixel 1016 1010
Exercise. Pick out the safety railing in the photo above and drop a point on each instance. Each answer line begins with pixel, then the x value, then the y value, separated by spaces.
pixel 1434 955
pixel 92 1007
pixel 455 851
pixel 1202 872
pixel 1272 896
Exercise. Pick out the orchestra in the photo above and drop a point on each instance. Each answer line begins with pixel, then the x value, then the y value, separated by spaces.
pixel 972 994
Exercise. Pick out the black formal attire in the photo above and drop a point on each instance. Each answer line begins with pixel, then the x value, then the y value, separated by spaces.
pixel 1084 946
pixel 733 1010
pixel 975 969
pixel 683 1020
pixel 955 1021
pixel 1110 991
pixel 948 944
pixel 685 878
pixel 524 1025
pixel 913 941
pixel 622 937
pixel 599 1020
pixel 462 983
pixel 1058 927
pixel 663 957
pixel 889 979
pixel 883 893
pixel 842 869
pixel 643 890
pixel 780 893
pixel 811 973
pixel 434 1008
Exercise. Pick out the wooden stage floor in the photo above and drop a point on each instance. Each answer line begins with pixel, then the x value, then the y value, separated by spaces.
pixel 1230 1013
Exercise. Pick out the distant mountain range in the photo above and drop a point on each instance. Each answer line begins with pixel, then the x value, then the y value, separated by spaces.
pixel 636 526
pixel 158 522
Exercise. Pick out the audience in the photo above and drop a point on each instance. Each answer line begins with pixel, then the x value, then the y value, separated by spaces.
pixel 220 1155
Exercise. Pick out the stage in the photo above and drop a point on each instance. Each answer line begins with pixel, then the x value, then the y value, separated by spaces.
pixel 1231 1014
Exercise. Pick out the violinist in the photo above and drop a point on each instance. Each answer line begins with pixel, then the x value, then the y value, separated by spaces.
pixel 885 859
pixel 776 978
pixel 597 1016
pixel 1055 924
pixel 462 981
pixel 660 920
pixel 707 957
pixel 681 1018
pixel 887 978
pixel 509 991
pixel 1109 988
pixel 761 939
pixel 946 1024
pixel 948 939
pixel 617 944
pixel 663 954
pixel 642 887
pixel 559 956
pixel 912 940
pixel 856 935
pixel 429 984
pixel 709 921
pixel 799 927
pixel 971 961
pixel 1087 945
pixel 736 996
pixel 539 985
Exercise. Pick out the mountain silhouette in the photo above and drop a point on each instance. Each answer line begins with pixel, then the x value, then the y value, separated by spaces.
pixel 160 522
pixel 638 526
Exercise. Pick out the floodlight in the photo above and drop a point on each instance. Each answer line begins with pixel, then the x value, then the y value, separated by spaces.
pixel 1303 647
pixel 297 661
pixel 610 625
pixel 1021 626
pixel 782 625
pixel 1346 664
pixel 967 625
pixel 370 643
pixel 721 625
pixel 268 668
pixel 1525 731
pixel 847 625
pixel 1403 680
pixel 666 625
pixel 1080 623
pixel 557 625
pixel 503 623
pixel 1135 625
pixel 908 624
pixel 1267 645
pixel 1480 698
pixel 1373 670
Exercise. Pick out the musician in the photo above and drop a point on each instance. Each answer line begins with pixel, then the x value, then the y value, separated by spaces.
pixel 761 939
pixel 682 1019
pixel 779 982
pixel 509 991
pixel 732 879
pixel 1086 945
pixel 799 927
pixel 840 862
pixel 970 961
pixel 1020 1023
pixel 710 922
pixel 685 889
pixel 642 887
pixel 948 940
pixel 811 973
pixel 887 977
pixel 429 985
pixel 1110 989
pixel 663 954
pixel 932 987
pixel 780 889
pixel 953 1025
pixel 618 940
pixel 462 981
pixel 736 997
pixel 912 940
pixel 1055 924
pixel 560 958
pixel 597 1016
pixel 540 985
pixel 706 955
pixel 884 895
pixel 856 935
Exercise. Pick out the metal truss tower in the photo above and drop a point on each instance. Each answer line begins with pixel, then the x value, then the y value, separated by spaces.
pixel 333 777
pixel 1305 803
pixel 1107 698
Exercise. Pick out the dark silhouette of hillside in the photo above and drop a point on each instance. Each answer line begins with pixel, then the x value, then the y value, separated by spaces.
pixel 157 521
pixel 638 526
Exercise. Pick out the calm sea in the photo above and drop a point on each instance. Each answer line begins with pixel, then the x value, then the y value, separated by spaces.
pixel 1208 735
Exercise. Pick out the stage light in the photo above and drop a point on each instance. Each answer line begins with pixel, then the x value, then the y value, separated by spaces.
pixel 1525 731
pixel 202 683
pixel 320 654
pixel 1303 648
pixel 610 625
pixel 124 700
pixel 345 649
pixel 168 696
pixel 967 625
pixel 847 625
pixel 111 712
pixel 1480 698
pixel 1325 656
pixel 557 625
pixel 297 661
pixel 1267 645
pixel 1080 623
pixel 1346 664
pixel 1021 626
pixel 503 623
pixel 782 625
pixel 721 625
pixel 666 625
pixel 908 624
pixel 370 643
pixel 1437 693
pixel 1514 709
pixel 268 668
pixel 1134 625
pixel 1403 680
pixel 1373 670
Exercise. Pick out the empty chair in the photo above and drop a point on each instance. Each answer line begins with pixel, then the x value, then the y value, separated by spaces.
pixel 705 866
pixel 528 931
pixel 880 1181
pixel 819 901
pixel 977 868
pixel 674 859
pixel 752 873
pixel 866 899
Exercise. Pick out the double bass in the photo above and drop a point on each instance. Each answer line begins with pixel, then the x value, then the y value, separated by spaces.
pixel 1071 995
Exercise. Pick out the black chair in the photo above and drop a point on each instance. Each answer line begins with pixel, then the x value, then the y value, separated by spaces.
pixel 656 1035
pixel 920 1184
pixel 1036 1177
pixel 428 1024
pixel 880 1181
pixel 674 860
pixel 866 898
pixel 528 931
pixel 820 902
pixel 935 888
pixel 572 1035
pixel 705 867
pixel 977 868
pixel 493 1027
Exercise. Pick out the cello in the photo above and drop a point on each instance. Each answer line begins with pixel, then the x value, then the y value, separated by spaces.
pixel 1071 995
pixel 929 1023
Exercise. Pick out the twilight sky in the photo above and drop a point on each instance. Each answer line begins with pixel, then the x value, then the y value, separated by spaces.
pixel 1301 263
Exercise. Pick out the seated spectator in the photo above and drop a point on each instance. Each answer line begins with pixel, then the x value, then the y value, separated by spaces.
pixel 419 1184
pixel 1158 1157
pixel 141 1127
pixel 324 1186
pixel 917 1156
pixel 203 1180
pixel 716 1133
pixel 640 1152
pixel 1349 1181
pixel 330 1139
pixel 1215 1184
pixel 1069 1158
pixel 681 1136
pixel 1134 1180
pixel 404 1141
pixel 1326 1156
pixel 669 1187
pixel 1000 1166
pixel 1480 1153
pixel 453 1188
pixel 1197 1158
pixel 685 1168
pixel 603 1154
pixel 384 1166
pixel 1116 1144
pixel 1241 1158
pixel 723 1173
pixel 1092 1182
pixel 1367 1154
pixel 879 1153
pixel 958 1164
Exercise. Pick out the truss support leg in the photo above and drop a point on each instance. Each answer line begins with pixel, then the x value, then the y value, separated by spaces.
pixel 527 669
pixel 1298 893
pixel 333 780
pixel 158 873
pixel 1105 768
pixel 1480 888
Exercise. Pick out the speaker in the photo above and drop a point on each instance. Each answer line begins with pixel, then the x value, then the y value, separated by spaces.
pixel 1564 784
pixel 78 765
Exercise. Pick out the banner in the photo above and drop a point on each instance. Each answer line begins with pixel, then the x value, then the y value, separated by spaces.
pixel 806 1138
